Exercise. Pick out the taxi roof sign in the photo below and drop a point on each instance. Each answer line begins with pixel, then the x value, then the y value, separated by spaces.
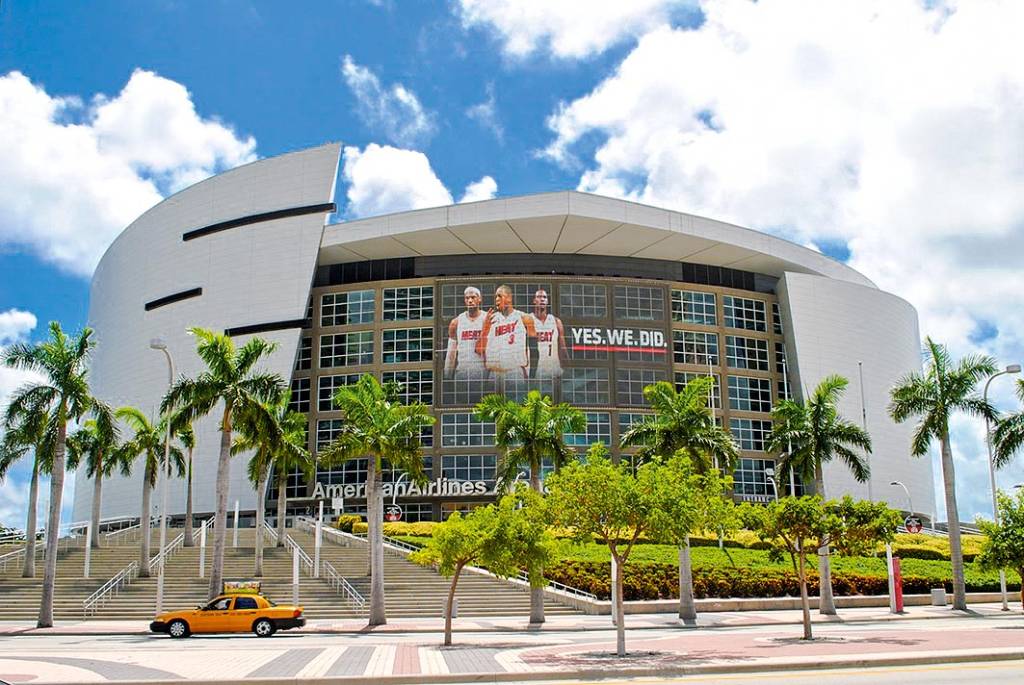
pixel 241 587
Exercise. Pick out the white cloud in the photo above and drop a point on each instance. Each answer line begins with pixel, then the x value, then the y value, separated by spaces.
pixel 395 112
pixel 384 179
pixel 569 29
pixel 484 189
pixel 15 325
pixel 486 114
pixel 883 125
pixel 74 175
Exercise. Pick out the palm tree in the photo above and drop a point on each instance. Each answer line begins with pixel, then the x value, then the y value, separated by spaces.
pixel 683 421
pixel 810 434
pixel 282 442
pixel 187 437
pixel 96 443
pixel 378 428
pixel 23 433
pixel 1008 437
pixel 529 433
pixel 944 388
pixel 292 456
pixel 148 441
pixel 232 379
pixel 62 361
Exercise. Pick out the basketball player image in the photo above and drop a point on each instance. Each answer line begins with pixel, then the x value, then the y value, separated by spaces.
pixel 551 349
pixel 503 339
pixel 462 360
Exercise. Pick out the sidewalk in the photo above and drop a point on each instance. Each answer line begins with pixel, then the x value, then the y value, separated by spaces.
pixel 514 624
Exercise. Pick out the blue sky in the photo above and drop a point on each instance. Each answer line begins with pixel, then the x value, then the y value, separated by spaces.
pixel 873 131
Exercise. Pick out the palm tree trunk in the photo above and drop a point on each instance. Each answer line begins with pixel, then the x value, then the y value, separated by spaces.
pixel 805 604
pixel 536 593
pixel 687 607
pixel 282 504
pixel 29 568
pixel 189 542
pixel 53 528
pixel 97 493
pixel 375 521
pixel 220 521
pixel 451 603
pixel 620 610
pixel 956 555
pixel 144 515
pixel 826 601
pixel 260 488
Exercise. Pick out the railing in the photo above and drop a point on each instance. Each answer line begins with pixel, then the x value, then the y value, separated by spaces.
pixel 122 579
pixel 338 582
pixel 130 533
pixel 18 555
pixel 333 534
pixel 269 533
pixel 198 532
pixel 157 562
pixel 561 587
pixel 306 562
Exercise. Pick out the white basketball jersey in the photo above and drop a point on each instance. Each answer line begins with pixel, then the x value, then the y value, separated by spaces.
pixel 506 342
pixel 467 332
pixel 548 362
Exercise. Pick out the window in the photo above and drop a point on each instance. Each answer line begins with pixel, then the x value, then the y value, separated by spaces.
pixel 583 301
pixel 743 312
pixel 400 345
pixel 465 391
pixel 408 304
pixel 414 386
pixel 694 347
pixel 245 603
pixel 326 432
pixel 414 512
pixel 628 420
pixel 750 394
pixel 750 434
pixel 630 384
pixel 472 467
pixel 749 478
pixel 684 377
pixel 453 300
pixel 328 385
pixel 449 508
pixel 690 306
pixel 300 396
pixel 463 429
pixel 295 487
pixel 746 353
pixel 780 359
pixel 304 358
pixel 352 472
pixel 342 309
pixel 599 429
pixel 639 302
pixel 776 319
pixel 522 296
pixel 346 349
pixel 782 389
pixel 584 386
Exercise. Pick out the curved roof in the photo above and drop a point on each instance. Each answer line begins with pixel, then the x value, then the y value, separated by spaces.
pixel 570 222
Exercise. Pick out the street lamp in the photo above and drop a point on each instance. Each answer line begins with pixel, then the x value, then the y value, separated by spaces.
pixel 1012 368
pixel 769 473
pixel 159 344
pixel 910 502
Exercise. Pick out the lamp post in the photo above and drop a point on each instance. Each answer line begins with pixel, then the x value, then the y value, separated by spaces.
pixel 1012 368
pixel 159 344
pixel 769 473
pixel 910 502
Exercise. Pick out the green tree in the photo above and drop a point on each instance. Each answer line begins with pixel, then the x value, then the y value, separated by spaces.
pixel 618 505
pixel 809 435
pixel 233 382
pixel 683 421
pixel 945 387
pixel 96 444
pixel 187 437
pixel 1008 437
pixel 62 362
pixel 378 427
pixel 528 434
pixel 799 526
pixel 147 440
pixel 1003 546
pixel 503 538
pixel 23 436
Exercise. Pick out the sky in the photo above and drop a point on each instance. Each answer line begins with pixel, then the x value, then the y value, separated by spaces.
pixel 888 134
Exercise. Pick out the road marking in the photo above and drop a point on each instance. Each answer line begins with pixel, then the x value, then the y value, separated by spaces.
pixel 352 661
pixel 287 664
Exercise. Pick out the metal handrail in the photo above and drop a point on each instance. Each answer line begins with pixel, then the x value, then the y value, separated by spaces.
pixel 157 562
pixel 135 530
pixel 339 583
pixel 307 563
pixel 558 587
pixel 199 531
pixel 338 536
pixel 123 578
pixel 269 532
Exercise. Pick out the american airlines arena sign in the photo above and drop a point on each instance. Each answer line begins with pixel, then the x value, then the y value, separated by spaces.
pixel 439 487
pixel 619 340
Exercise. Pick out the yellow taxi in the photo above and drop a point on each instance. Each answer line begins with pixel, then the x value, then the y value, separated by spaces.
pixel 231 612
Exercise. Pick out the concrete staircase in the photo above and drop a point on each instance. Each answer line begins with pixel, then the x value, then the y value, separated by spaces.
pixel 410 590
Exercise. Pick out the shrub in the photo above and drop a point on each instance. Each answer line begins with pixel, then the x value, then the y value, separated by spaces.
pixel 919 552
pixel 359 528
pixel 346 521
pixel 422 529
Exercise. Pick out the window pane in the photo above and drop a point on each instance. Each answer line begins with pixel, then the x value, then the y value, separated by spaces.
pixel 750 394
pixel 750 434
pixel 346 349
pixel 684 377
pixel 695 347
pixel 401 345
pixel 743 312
pixel 342 309
pixel 639 302
pixel 586 386
pixel 630 384
pixel 408 304
pixel 746 353
pixel 599 429
pixel 463 429
pixel 693 307
pixel 414 386
pixel 583 301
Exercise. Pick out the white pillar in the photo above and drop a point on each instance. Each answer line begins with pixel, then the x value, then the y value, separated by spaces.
pixel 317 541
pixel 160 589
pixel 295 575
pixel 615 597
pixel 234 541
pixel 202 550
pixel 88 549
pixel 892 578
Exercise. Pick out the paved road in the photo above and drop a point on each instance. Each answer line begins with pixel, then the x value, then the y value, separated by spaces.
pixel 99 658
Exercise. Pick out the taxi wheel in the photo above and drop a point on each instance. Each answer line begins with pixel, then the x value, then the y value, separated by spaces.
pixel 178 629
pixel 263 627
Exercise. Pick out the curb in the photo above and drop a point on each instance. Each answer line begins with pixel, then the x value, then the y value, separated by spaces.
pixel 835 663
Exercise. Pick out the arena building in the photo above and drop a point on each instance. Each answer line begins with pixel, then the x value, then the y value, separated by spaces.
pixel 596 297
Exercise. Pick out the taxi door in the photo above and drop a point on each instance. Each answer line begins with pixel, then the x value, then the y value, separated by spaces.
pixel 213 618
pixel 244 613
